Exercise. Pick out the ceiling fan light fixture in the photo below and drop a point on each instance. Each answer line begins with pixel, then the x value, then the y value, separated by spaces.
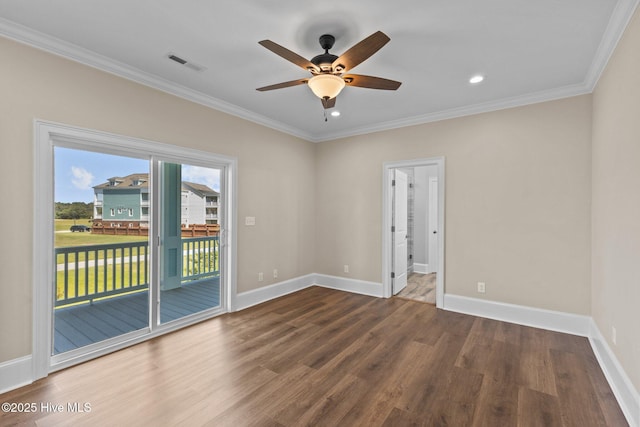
pixel 327 81
pixel 326 86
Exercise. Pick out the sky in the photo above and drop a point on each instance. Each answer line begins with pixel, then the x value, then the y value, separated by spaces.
pixel 77 172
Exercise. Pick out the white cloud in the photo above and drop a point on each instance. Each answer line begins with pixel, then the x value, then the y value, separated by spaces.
pixel 82 178
pixel 199 175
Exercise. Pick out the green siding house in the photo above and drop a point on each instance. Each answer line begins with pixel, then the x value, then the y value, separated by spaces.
pixel 123 202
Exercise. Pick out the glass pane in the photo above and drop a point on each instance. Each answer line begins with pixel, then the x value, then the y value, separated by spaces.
pixel 101 247
pixel 190 273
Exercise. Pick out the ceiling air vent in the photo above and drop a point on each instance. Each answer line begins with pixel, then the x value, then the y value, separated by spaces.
pixel 177 59
pixel 186 63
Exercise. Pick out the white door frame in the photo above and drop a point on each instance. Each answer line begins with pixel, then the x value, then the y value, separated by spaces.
pixel 387 210
pixel 50 134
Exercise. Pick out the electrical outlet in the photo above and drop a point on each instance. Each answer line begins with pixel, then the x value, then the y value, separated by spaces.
pixel 275 273
pixel 260 277
pixel 346 268
pixel 614 335
pixel 481 287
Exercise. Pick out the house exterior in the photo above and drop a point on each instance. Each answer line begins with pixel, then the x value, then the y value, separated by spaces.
pixel 199 204
pixel 123 202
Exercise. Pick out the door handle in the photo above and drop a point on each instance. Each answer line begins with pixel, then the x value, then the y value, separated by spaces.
pixel 435 232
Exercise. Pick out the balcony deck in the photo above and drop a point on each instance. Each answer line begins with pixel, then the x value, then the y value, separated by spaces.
pixel 85 324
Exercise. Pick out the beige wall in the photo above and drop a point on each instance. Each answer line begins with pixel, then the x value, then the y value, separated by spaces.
pixel 616 201
pixel 517 202
pixel 518 190
pixel 276 172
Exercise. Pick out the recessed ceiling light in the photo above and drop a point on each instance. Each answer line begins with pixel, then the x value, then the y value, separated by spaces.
pixel 335 113
pixel 476 79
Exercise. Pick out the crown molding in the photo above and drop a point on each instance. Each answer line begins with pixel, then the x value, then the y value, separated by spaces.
pixel 41 41
pixel 485 107
pixel 622 14
pixel 620 17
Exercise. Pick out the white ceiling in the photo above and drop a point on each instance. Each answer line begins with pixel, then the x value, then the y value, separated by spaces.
pixel 529 51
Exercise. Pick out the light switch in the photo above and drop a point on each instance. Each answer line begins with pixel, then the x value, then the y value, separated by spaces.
pixel 250 220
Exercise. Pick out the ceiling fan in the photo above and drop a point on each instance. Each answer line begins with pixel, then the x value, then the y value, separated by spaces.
pixel 327 70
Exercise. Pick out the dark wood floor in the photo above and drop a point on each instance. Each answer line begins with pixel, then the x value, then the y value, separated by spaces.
pixel 85 324
pixel 325 357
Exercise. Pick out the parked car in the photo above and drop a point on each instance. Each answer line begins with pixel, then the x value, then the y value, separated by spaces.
pixel 80 228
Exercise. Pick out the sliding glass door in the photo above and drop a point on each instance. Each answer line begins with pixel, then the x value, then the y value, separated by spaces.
pixel 190 240
pixel 136 247
pixel 101 253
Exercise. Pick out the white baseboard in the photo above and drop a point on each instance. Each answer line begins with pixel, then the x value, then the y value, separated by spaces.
pixel 626 394
pixel 574 324
pixel 18 372
pixel 15 373
pixel 257 296
pixel 363 287
pixel 420 268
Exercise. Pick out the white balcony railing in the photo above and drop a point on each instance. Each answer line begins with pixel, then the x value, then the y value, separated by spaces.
pixel 80 268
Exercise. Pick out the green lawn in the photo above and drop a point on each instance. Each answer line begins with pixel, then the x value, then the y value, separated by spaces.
pixel 125 278
pixel 65 224
pixel 99 279
pixel 65 238
pixel 88 285
pixel 82 239
pixel 121 279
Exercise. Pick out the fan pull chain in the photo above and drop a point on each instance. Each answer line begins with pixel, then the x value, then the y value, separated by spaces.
pixel 325 115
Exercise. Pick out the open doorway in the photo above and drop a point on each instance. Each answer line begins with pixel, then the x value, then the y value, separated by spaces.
pixel 413 238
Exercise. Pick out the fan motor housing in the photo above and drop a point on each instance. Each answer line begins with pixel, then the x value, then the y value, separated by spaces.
pixel 324 61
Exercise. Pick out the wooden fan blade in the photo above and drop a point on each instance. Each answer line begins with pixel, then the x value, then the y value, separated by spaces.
pixel 328 103
pixel 360 52
pixel 289 55
pixel 370 82
pixel 283 85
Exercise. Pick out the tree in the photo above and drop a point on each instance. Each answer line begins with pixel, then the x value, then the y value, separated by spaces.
pixel 75 210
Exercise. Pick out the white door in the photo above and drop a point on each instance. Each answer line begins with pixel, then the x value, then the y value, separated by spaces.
pixel 432 226
pixel 399 231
